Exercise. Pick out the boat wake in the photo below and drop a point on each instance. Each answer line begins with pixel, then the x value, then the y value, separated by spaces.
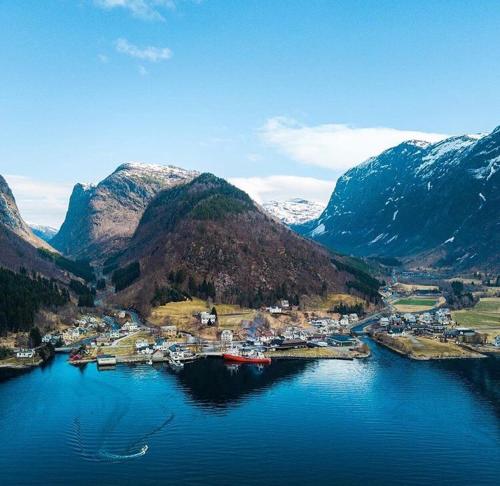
pixel 123 457
pixel 131 452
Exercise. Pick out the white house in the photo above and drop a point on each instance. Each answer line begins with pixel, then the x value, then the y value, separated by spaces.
pixel 384 322
pixel 25 353
pixel 226 336
pixel 353 317
pixel 274 310
pixel 141 344
pixel 206 318
pixel 344 321
pixel 497 341
pixel 285 304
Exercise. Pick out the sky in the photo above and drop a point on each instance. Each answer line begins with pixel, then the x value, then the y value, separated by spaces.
pixel 280 97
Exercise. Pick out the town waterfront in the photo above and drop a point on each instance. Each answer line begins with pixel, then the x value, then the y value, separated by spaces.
pixel 382 420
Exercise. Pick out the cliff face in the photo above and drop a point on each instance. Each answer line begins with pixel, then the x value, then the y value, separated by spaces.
pixel 217 242
pixel 101 219
pixel 18 245
pixel 11 219
pixel 434 203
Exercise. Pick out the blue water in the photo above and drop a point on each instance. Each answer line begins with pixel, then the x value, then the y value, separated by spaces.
pixel 385 420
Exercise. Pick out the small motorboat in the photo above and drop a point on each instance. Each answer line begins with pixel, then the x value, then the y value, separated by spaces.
pixel 252 356
pixel 175 364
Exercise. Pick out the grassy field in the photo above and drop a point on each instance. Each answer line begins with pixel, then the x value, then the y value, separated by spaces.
pixel 326 303
pixel 426 348
pixel 183 314
pixel 415 304
pixel 484 317
pixel 180 314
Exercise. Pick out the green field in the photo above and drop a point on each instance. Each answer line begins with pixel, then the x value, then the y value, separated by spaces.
pixel 485 316
pixel 416 301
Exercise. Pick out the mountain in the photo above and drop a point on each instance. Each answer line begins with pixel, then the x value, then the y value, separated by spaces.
pixel 101 218
pixel 437 204
pixel 209 239
pixel 11 219
pixel 45 233
pixel 294 211
pixel 19 247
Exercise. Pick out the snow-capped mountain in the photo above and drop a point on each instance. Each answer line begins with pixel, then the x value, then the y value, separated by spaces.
pixel 101 218
pixel 294 211
pixel 46 233
pixel 439 201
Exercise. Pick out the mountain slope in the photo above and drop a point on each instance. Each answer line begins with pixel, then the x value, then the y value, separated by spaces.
pixel 19 247
pixel 294 211
pixel 100 219
pixel 209 239
pixel 436 202
pixel 11 219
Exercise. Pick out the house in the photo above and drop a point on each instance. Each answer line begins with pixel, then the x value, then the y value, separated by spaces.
pixel 353 317
pixel 226 337
pixel 384 322
pixel 344 321
pixel 25 353
pixel 169 331
pixel 274 310
pixel 160 345
pixel 114 334
pixel 141 344
pixel 207 319
pixel 106 360
pixel 285 304
pixel 130 326
pixel 341 340
pixel 497 341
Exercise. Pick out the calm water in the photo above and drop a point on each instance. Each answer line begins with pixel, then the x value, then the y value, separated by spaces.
pixel 386 420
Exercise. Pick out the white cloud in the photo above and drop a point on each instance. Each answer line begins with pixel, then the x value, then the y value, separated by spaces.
pixel 150 53
pixel 335 146
pixel 284 187
pixel 103 58
pixel 40 202
pixel 143 71
pixel 144 9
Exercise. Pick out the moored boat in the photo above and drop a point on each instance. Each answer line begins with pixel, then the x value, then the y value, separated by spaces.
pixel 246 357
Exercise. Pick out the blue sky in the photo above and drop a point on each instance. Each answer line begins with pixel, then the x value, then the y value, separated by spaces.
pixel 278 96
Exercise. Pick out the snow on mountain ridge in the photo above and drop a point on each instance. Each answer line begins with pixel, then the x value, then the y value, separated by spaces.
pixel 294 211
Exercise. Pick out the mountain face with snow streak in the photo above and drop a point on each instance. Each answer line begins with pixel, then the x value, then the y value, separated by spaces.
pixel 46 233
pixel 438 202
pixel 102 218
pixel 294 211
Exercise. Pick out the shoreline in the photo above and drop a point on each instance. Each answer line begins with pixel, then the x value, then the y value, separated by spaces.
pixel 409 355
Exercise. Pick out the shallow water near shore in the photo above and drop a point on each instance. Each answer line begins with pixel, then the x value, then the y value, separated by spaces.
pixel 383 420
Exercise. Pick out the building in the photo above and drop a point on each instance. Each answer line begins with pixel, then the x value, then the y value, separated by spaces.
pixel 106 360
pixel 169 331
pixel 274 310
pixel 353 317
pixel 226 337
pixel 25 353
pixel 207 319
pixel 141 344
pixel 285 304
pixel 341 340
pixel 497 341
pixel 384 322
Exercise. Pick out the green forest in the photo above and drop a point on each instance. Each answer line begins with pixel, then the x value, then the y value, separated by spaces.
pixel 22 295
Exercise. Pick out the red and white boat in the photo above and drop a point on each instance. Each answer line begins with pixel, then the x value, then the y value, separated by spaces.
pixel 252 356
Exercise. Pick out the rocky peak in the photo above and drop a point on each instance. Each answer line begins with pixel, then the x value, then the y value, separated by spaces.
pixel 11 218
pixel 101 218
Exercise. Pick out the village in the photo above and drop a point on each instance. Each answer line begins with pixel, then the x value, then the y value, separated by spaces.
pixel 413 322
pixel 276 332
